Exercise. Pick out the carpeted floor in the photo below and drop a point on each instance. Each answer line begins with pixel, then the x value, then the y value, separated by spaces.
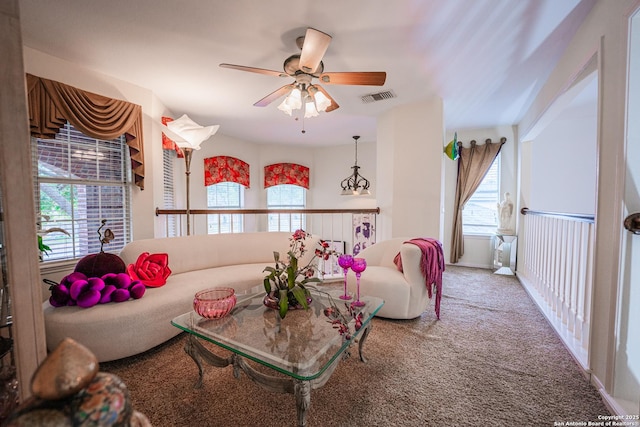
pixel 491 360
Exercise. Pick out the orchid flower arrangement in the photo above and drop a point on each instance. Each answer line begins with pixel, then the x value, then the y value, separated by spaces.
pixel 286 280
pixel 342 320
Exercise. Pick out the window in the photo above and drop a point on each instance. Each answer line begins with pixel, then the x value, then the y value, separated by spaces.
pixel 225 195
pixel 169 201
pixel 78 182
pixel 479 213
pixel 286 196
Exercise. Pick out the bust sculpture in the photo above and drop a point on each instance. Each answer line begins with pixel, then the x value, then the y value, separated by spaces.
pixel 505 212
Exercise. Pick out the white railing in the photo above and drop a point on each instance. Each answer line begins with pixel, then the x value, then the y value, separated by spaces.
pixel 557 271
pixel 347 230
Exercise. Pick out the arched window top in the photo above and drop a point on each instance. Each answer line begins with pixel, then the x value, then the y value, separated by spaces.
pixel 225 169
pixel 286 173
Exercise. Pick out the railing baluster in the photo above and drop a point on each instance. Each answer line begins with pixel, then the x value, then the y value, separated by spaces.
pixel 570 277
pixel 248 220
pixel 558 273
pixel 565 267
pixel 553 247
pixel 548 262
pixel 537 253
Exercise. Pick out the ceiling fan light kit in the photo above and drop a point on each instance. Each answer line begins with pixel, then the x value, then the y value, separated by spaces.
pixel 303 94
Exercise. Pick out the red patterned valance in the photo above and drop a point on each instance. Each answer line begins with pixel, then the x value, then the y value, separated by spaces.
pixel 225 169
pixel 286 173
pixel 168 143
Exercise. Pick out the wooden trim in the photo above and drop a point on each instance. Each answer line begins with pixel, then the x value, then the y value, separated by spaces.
pixel 23 272
pixel 559 215
pixel 263 211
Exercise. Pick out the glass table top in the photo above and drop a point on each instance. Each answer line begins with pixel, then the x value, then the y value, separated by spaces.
pixel 301 345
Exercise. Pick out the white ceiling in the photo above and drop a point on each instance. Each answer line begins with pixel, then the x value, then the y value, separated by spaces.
pixel 486 59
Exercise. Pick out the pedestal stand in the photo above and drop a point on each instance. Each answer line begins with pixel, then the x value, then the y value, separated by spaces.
pixel 504 254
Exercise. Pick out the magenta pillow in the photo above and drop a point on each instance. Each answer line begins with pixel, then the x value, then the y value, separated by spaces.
pixel 77 289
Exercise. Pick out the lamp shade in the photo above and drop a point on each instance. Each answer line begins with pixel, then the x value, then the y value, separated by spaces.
pixel 322 102
pixel 188 134
pixel 292 102
pixel 310 109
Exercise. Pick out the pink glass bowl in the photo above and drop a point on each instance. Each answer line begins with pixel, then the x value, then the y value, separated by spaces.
pixel 214 303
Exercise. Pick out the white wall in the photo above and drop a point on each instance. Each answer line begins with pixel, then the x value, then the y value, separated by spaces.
pixel 603 34
pixel 333 164
pixel 565 153
pixel 328 166
pixel 567 183
pixel 405 165
pixel 415 164
pixel 409 170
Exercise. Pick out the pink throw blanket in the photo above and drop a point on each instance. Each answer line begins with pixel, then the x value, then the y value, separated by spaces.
pixel 432 265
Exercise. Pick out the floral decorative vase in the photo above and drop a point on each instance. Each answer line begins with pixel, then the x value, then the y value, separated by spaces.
pixel 271 300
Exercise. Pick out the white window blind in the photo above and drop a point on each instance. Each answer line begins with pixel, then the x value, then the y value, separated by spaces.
pixel 169 201
pixel 78 182
pixel 479 213
pixel 225 195
pixel 286 197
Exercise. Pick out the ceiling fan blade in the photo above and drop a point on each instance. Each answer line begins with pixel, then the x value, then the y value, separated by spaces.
pixel 313 49
pixel 367 78
pixel 334 105
pixel 255 70
pixel 284 90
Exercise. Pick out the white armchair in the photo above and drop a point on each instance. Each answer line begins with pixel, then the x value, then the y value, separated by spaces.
pixel 405 293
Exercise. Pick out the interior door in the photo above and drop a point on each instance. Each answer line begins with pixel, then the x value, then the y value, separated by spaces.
pixel 627 368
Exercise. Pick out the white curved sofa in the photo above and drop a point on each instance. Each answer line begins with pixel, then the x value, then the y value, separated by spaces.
pixel 404 293
pixel 117 330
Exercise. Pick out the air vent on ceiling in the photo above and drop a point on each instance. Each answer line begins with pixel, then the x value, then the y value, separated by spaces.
pixel 380 96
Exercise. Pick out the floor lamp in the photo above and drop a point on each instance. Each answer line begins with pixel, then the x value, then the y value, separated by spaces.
pixel 188 135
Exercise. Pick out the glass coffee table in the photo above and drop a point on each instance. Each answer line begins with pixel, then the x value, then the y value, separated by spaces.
pixel 304 346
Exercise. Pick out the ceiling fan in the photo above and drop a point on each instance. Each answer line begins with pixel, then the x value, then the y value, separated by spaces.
pixel 305 67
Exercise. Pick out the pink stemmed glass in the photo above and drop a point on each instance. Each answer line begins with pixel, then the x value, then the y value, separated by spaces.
pixel 358 266
pixel 345 261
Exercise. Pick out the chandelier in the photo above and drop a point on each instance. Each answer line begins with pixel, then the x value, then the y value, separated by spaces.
pixel 355 184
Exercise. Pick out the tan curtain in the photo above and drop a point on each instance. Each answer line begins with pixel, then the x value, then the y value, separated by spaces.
pixel 51 104
pixel 473 164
